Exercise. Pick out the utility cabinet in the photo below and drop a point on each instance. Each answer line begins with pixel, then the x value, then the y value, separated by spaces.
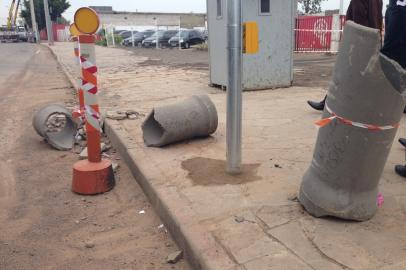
pixel 272 66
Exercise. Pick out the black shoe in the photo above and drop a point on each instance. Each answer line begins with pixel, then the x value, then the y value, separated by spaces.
pixel 319 106
pixel 402 141
pixel 400 170
pixel 404 110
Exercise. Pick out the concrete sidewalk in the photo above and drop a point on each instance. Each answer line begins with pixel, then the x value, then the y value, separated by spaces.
pixel 252 221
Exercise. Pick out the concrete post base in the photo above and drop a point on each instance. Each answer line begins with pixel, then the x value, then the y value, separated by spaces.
pixel 91 178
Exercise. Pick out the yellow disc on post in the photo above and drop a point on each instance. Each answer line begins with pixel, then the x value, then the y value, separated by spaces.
pixel 87 20
pixel 74 30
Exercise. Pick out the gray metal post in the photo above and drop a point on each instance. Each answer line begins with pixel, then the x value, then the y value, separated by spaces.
pixel 234 87
pixel 157 34
pixel 341 7
pixel 48 23
pixel 132 37
pixel 34 21
pixel 180 25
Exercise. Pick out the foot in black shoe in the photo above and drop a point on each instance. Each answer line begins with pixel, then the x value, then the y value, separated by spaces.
pixel 319 106
pixel 402 141
pixel 404 110
pixel 400 170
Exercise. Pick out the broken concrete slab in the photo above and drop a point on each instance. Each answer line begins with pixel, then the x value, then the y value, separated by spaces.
pixel 174 257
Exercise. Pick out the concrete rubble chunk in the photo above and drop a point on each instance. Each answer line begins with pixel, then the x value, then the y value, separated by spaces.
pixel 84 154
pixel 115 167
pixel 349 159
pixel 115 115
pixel 174 257
pixel 192 118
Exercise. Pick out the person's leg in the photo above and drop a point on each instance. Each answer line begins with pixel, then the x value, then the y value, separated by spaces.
pixel 395 35
pixel 319 106
pixel 400 170
pixel 402 141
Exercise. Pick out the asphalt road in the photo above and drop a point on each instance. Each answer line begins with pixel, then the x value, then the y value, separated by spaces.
pixel 43 224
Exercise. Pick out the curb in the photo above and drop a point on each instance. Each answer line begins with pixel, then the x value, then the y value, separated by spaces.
pixel 200 248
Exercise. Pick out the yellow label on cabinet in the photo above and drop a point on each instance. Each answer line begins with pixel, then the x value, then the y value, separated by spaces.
pixel 250 38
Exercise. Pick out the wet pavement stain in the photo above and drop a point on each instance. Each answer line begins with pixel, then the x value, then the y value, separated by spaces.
pixel 211 172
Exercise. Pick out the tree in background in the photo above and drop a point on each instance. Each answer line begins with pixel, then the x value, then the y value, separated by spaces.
pixel 311 6
pixel 56 8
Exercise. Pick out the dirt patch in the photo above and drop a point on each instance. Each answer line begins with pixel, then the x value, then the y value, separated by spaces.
pixel 211 172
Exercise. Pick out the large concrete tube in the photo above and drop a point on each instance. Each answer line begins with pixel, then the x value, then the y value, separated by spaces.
pixel 348 160
pixel 63 139
pixel 194 117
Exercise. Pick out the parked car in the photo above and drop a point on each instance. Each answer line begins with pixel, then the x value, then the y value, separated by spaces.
pixel 127 34
pixel 205 34
pixel 187 39
pixel 138 38
pixel 163 37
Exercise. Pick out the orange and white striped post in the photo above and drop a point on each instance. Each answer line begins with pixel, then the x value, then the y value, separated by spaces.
pixel 94 175
pixel 78 114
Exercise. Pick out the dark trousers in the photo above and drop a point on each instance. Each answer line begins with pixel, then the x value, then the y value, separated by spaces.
pixel 395 34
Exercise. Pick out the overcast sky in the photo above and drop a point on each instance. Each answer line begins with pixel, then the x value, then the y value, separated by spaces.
pixel 147 5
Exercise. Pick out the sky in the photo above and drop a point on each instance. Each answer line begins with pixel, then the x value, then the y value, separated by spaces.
pixel 147 5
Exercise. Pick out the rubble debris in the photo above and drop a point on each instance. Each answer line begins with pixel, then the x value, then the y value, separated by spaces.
pixel 174 257
pixel 115 167
pixel 89 244
pixel 239 219
pixel 84 154
pixel 115 115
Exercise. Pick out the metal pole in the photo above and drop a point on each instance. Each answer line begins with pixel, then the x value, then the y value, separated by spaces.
pixel 180 45
pixel 34 21
pixel 132 37
pixel 157 34
pixel 48 23
pixel 234 87
pixel 341 7
pixel 114 37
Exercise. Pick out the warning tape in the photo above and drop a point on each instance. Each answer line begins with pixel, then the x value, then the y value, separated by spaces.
pixel 326 121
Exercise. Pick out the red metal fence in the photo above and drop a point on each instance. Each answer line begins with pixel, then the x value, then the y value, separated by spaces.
pixel 60 32
pixel 314 33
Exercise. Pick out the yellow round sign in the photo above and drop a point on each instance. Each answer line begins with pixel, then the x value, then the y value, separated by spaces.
pixel 74 30
pixel 86 20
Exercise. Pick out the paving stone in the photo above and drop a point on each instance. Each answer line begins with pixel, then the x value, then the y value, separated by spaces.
pixel 246 241
pixel 281 261
pixel 293 236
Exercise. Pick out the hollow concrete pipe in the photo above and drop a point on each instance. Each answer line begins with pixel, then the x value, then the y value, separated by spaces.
pixel 62 140
pixel 363 109
pixel 194 117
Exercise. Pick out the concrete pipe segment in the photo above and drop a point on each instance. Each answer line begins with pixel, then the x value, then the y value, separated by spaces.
pixel 360 121
pixel 63 139
pixel 194 117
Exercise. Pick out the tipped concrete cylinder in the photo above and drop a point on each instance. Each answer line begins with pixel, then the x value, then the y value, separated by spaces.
pixel 62 140
pixel 194 117
pixel 348 160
